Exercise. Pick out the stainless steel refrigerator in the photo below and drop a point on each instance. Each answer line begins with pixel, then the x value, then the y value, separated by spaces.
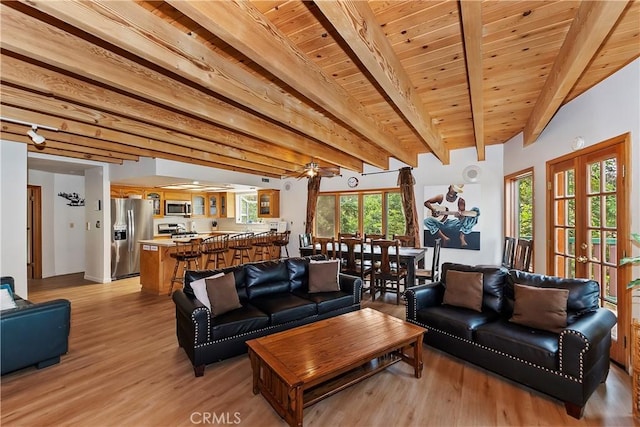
pixel 131 221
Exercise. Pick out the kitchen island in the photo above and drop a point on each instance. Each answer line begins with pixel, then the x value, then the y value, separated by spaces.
pixel 156 263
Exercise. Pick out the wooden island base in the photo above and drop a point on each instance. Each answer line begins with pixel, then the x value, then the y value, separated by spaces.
pixel 301 366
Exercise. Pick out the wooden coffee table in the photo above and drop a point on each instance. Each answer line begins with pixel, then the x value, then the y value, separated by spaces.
pixel 296 368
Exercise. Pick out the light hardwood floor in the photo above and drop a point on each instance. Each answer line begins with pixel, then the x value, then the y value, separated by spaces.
pixel 124 368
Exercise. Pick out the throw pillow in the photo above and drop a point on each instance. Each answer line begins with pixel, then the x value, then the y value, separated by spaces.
pixel 540 308
pixel 323 276
pixel 463 289
pixel 222 294
pixel 200 290
pixel 6 299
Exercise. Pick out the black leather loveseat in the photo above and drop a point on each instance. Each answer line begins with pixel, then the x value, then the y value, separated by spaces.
pixel 567 364
pixel 274 297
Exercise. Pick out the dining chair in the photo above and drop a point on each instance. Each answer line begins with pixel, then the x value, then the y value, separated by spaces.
pixel 325 246
pixel 406 241
pixel 353 261
pixel 304 239
pixel 433 274
pixel 386 276
pixel 347 235
pixel 523 255
pixel 508 251
pixel 368 237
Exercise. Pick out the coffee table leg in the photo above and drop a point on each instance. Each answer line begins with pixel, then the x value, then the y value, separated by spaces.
pixel 417 357
pixel 296 405
pixel 255 367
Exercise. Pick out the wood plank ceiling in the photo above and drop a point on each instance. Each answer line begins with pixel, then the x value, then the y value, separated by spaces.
pixel 266 86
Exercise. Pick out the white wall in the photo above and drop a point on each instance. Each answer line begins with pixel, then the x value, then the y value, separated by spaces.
pixel 45 180
pixel 13 213
pixel 430 171
pixel 609 109
pixel 97 237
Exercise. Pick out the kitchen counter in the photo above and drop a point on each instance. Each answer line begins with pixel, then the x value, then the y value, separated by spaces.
pixel 156 263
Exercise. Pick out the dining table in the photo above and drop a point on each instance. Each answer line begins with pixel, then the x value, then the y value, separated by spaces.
pixel 413 258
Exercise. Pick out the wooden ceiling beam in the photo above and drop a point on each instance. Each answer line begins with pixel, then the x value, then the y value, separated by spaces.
pixel 132 28
pixel 163 123
pixel 247 30
pixel 471 12
pixel 41 41
pixel 589 29
pixel 356 23
pixel 113 137
pixel 39 103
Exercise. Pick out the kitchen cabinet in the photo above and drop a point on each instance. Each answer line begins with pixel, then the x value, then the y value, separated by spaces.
pixel 198 205
pixel 214 205
pixel 156 196
pixel 176 195
pixel 227 205
pixel 123 191
pixel 268 203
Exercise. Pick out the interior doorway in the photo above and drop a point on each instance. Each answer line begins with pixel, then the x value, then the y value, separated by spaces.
pixel 34 232
pixel 588 227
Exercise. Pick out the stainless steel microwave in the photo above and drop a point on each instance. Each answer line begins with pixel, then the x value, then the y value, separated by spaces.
pixel 177 208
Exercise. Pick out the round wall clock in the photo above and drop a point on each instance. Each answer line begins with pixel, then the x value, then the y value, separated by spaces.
pixel 352 182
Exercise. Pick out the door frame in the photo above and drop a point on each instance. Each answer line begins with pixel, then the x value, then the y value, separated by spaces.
pixel 624 246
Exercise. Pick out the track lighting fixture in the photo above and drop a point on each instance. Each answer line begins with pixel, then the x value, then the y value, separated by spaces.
pixel 37 139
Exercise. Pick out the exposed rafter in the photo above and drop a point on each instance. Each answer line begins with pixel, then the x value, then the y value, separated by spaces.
pixel 242 26
pixel 471 12
pixel 356 23
pixel 589 29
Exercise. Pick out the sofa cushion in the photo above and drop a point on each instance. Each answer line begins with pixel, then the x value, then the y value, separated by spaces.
pixel 540 308
pixel 266 278
pixel 299 271
pixel 323 276
pixel 285 307
pixel 239 321
pixel 328 301
pixel 222 294
pixel 531 345
pixel 583 296
pixel 493 283
pixel 463 289
pixel 460 322
pixel 199 289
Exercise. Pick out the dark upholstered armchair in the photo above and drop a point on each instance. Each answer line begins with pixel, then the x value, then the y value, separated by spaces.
pixel 33 334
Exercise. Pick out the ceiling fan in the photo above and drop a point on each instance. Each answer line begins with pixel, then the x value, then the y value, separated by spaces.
pixel 313 168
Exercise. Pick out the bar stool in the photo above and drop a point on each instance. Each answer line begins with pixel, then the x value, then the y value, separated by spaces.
pixel 241 244
pixel 185 253
pixel 281 241
pixel 215 247
pixel 263 242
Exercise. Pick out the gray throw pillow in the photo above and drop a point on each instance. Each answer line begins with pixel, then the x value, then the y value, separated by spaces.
pixel 463 289
pixel 222 294
pixel 323 276
pixel 540 308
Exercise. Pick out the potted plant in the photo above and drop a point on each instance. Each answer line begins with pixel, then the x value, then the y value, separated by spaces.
pixel 635 335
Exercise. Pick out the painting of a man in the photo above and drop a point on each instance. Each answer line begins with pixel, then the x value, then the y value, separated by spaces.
pixel 447 217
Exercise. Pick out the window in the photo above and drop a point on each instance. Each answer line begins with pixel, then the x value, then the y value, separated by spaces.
pixel 367 212
pixel 519 205
pixel 247 208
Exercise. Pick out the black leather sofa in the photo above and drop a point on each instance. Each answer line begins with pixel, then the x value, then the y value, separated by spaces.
pixel 33 333
pixel 274 297
pixel 567 366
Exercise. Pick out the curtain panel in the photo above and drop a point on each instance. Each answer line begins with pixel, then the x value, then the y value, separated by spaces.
pixel 313 187
pixel 406 181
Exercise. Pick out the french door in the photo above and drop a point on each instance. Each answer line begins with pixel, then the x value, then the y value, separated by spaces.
pixel 588 227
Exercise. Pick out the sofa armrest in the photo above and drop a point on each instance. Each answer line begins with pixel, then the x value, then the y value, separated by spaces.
pixel 582 343
pixel 34 333
pixel 351 285
pixel 192 317
pixel 422 296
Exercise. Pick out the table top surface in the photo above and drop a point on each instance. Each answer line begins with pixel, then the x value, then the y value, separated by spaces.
pixel 316 350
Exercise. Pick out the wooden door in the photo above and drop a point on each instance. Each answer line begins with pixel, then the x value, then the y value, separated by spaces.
pixel 588 225
pixel 34 233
